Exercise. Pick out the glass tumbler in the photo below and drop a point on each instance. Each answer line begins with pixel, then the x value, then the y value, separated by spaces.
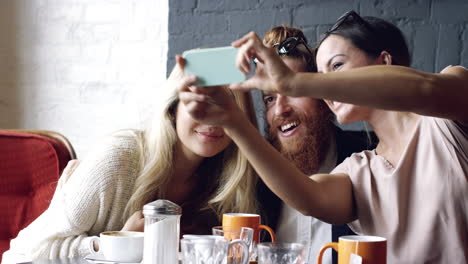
pixel 280 253
pixel 233 233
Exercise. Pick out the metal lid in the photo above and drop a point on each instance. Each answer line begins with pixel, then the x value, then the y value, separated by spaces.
pixel 162 207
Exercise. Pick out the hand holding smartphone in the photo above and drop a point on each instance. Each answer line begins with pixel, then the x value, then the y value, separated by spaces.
pixel 213 66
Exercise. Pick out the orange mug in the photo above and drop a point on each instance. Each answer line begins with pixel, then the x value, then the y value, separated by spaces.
pixel 369 249
pixel 238 220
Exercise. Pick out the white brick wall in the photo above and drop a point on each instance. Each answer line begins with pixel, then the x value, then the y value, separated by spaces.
pixel 83 68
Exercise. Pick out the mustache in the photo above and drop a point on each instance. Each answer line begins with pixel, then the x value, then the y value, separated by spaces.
pixel 277 121
pixel 317 123
pixel 322 118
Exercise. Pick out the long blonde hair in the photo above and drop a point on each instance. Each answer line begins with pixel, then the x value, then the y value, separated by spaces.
pixel 236 191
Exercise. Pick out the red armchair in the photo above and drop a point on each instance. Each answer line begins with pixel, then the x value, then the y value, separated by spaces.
pixel 31 162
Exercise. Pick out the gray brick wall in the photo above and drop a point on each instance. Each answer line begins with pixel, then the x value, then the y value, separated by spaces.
pixel 436 30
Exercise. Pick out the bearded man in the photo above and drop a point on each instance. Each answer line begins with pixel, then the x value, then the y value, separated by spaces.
pixel 302 129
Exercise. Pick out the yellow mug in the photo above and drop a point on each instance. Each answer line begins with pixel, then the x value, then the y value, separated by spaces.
pixel 370 249
pixel 238 220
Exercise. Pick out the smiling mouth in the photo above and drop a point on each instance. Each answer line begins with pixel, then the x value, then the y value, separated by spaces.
pixel 210 134
pixel 288 127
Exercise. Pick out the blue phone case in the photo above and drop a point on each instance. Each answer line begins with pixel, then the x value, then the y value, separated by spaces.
pixel 214 66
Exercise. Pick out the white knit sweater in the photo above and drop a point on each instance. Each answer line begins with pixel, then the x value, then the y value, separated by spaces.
pixel 92 201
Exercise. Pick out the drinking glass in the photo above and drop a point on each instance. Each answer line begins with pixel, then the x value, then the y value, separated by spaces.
pixel 244 234
pixel 280 253
pixel 210 249
pixel 203 250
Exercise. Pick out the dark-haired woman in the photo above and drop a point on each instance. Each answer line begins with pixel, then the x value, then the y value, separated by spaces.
pixel 412 189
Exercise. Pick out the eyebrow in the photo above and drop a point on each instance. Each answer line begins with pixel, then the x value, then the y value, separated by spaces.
pixel 330 60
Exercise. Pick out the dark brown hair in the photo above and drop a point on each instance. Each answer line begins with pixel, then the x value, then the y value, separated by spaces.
pixel 372 35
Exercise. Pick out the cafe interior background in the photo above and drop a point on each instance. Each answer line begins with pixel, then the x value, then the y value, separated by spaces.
pixel 86 68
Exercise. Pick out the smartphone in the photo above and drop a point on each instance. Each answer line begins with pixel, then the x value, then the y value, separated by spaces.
pixel 214 66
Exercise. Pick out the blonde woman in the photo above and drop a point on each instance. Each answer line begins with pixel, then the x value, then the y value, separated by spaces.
pixel 194 165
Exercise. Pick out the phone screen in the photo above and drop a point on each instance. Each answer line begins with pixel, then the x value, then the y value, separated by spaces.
pixel 214 66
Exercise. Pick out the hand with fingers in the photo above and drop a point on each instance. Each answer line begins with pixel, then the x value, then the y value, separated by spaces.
pixel 208 105
pixel 272 75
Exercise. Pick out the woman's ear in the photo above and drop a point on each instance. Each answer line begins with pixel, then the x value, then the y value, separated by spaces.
pixel 385 58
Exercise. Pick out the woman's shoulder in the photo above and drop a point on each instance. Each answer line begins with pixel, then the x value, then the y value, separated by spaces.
pixel 457 70
pixel 123 143
pixel 357 161
pixel 113 155
pixel 450 91
pixel 445 125
pixel 130 139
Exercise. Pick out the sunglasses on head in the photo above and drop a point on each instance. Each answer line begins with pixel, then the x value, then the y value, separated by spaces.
pixel 346 17
pixel 289 45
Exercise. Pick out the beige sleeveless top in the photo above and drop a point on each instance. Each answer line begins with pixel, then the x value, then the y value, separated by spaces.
pixel 420 205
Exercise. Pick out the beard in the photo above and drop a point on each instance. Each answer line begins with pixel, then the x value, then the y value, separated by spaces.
pixel 308 152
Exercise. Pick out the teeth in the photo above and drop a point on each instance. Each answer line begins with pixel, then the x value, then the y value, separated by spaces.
pixel 288 126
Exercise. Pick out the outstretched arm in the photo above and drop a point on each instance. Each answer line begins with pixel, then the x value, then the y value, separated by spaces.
pixel 384 86
pixel 327 197
pixel 392 88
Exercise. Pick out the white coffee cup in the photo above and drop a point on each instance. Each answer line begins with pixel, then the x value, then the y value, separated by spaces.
pixel 121 246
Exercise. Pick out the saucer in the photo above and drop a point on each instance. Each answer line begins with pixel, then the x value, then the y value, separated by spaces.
pixel 99 258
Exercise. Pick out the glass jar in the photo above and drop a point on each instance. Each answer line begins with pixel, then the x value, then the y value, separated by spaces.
pixel 162 231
